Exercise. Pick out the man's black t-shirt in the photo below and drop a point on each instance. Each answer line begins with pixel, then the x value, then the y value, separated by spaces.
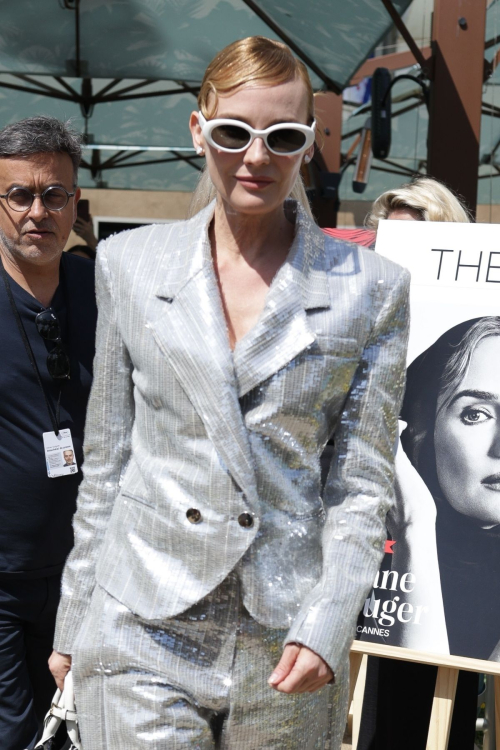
pixel 35 511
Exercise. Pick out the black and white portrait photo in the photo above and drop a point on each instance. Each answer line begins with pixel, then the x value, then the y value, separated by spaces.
pixel 437 588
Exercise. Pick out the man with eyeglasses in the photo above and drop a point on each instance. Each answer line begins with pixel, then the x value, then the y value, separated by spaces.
pixel 48 318
pixel 68 458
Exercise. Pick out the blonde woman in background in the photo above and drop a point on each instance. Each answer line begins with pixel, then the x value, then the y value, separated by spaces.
pixel 398 695
pixel 423 199
pixel 206 602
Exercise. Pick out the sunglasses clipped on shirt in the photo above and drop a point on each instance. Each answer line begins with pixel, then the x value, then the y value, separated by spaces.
pixel 233 136
pixel 49 328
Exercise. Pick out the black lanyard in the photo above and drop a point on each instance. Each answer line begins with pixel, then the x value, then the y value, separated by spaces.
pixel 54 415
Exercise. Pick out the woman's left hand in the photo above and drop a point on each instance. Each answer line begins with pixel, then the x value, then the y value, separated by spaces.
pixel 300 670
pixel 59 665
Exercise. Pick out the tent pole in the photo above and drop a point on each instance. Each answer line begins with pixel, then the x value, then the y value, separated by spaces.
pixel 456 91
pixel 325 204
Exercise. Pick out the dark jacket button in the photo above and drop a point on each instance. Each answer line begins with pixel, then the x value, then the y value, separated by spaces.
pixel 245 520
pixel 193 515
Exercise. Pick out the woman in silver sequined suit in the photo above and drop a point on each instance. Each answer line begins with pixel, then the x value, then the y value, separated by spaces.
pixel 211 597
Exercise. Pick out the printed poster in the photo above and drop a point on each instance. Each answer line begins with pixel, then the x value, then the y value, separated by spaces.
pixel 438 589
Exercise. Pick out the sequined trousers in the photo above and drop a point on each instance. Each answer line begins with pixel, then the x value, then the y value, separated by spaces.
pixel 195 681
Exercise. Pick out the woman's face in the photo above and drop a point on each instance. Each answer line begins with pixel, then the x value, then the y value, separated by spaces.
pixel 467 438
pixel 404 214
pixel 256 181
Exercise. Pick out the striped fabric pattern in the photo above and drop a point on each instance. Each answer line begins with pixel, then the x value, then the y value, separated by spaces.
pixel 180 428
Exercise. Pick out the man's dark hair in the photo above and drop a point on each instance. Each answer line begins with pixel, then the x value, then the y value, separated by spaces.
pixel 41 134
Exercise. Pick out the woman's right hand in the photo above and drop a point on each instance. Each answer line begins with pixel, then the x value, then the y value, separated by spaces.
pixel 59 665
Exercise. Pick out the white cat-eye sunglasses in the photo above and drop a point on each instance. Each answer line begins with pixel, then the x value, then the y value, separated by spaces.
pixel 234 136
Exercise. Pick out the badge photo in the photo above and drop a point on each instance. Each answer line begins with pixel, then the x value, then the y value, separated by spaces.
pixel 59 454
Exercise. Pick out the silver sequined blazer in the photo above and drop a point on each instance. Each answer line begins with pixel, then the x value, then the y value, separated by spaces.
pixel 199 460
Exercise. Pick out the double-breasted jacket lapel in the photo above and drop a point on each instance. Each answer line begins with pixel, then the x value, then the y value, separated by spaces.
pixel 192 334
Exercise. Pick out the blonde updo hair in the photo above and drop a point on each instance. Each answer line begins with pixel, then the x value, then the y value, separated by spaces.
pixel 428 197
pixel 254 60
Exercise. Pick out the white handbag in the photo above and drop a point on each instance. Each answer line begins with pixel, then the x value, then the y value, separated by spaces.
pixel 62 709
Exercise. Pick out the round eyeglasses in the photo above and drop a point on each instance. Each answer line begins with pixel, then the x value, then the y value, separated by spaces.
pixel 233 136
pixel 54 198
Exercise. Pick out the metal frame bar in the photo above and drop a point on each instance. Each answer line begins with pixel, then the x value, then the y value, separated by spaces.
pixel 132 86
pixel 109 86
pixel 492 42
pixel 77 38
pixel 493 107
pixel 395 171
pixel 332 86
pixel 396 99
pixel 121 147
pixel 194 90
pixel 118 98
pixel 399 166
pixel 401 27
pixel 188 160
pixel 74 96
pixel 490 113
pixel 28 90
pixel 74 5
pixel 66 85
pixel 393 61
pixel 398 112
pixel 34 82
pixel 178 157
pixel 491 155
pixel 157 161
pixel 118 158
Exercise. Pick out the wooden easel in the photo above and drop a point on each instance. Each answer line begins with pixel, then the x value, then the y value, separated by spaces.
pixel 444 694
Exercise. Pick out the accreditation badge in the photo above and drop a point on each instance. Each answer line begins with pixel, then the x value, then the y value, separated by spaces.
pixel 59 454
